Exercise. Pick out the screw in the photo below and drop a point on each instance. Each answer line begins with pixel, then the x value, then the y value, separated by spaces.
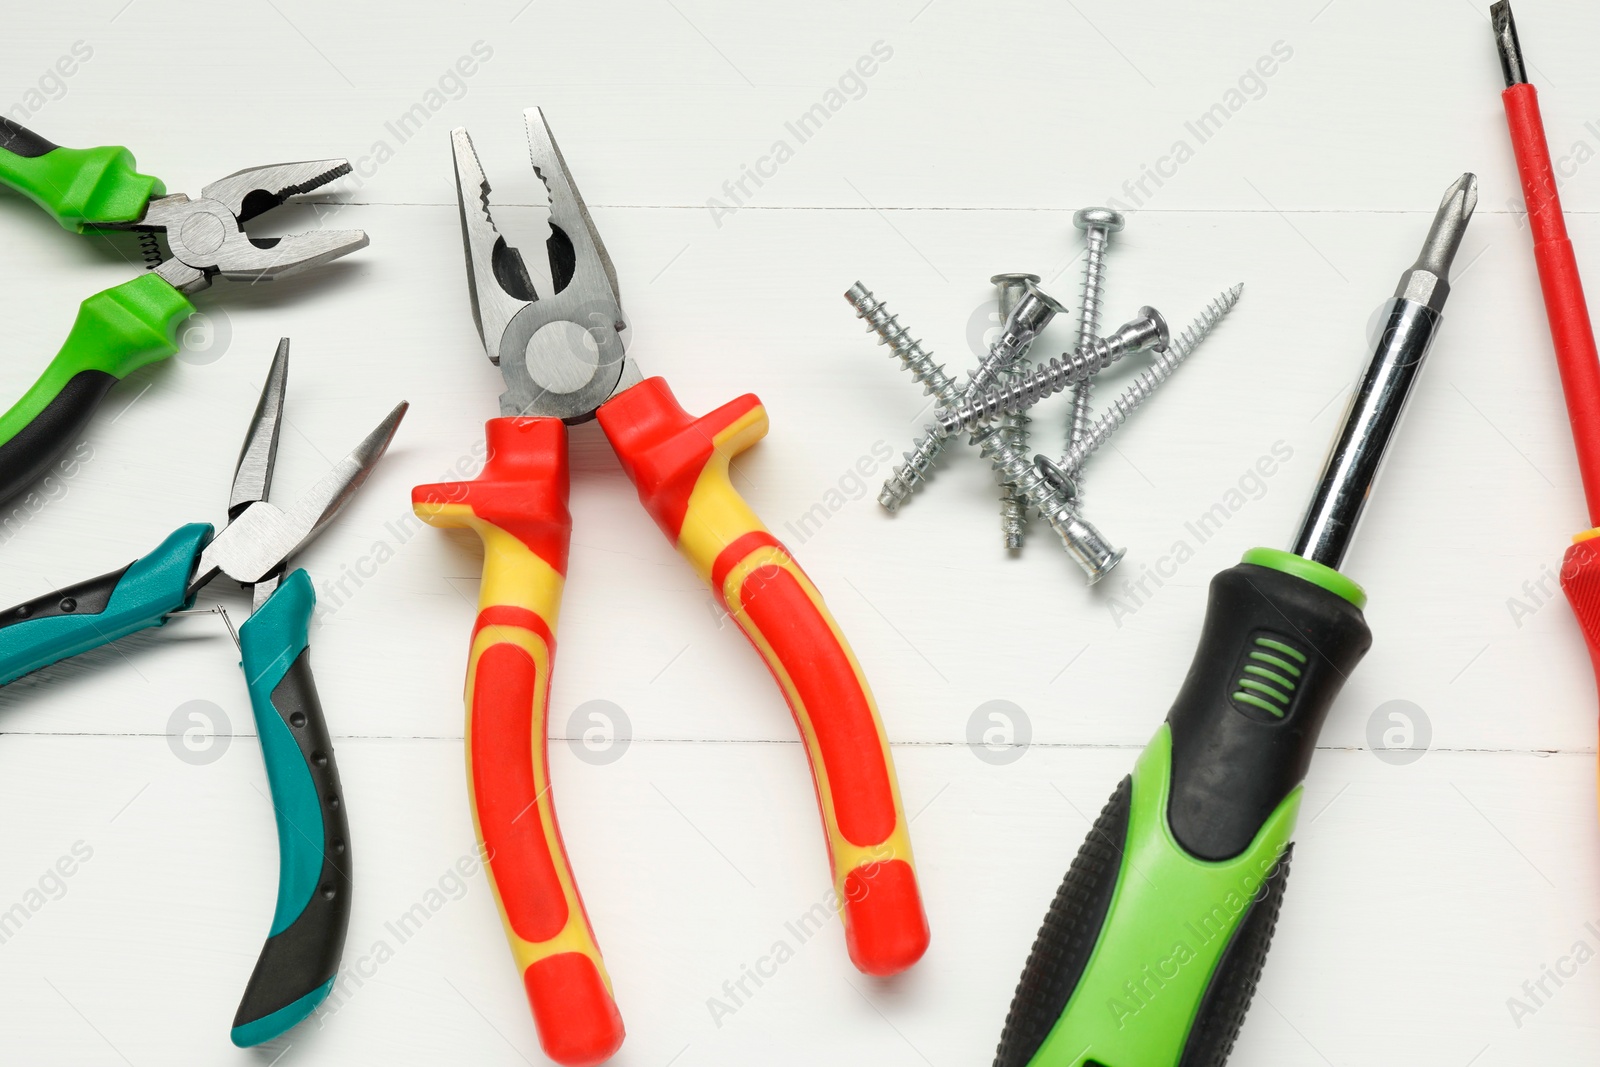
pixel 1091 357
pixel 1087 545
pixel 1030 315
pixel 911 472
pixel 907 349
pixel 1063 474
pixel 1014 425
pixel 1097 224
pixel 936 381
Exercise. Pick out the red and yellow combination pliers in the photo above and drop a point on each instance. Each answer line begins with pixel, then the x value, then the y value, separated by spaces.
pixel 562 356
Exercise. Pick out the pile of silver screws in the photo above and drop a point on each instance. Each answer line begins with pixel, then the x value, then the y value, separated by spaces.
pixel 991 404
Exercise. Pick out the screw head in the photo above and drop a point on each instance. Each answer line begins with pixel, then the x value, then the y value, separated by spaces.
pixel 1059 480
pixel 1100 218
pixel 1029 315
pixel 1011 287
pixel 1031 288
pixel 1163 334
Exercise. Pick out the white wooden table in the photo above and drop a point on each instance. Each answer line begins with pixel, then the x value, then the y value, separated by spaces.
pixel 1425 894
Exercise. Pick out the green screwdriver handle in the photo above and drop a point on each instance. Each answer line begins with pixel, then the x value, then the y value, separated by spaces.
pixel 1151 951
pixel 81 187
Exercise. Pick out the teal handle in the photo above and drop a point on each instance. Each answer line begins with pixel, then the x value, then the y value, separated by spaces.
pixel 298 963
pixel 97 612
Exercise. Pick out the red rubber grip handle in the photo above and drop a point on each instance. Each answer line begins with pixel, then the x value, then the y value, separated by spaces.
pixel 518 506
pixel 680 466
pixel 1564 303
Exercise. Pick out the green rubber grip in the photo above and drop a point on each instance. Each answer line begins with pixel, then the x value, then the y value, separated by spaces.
pixel 1152 948
pixel 116 332
pixel 1171 919
pixel 80 187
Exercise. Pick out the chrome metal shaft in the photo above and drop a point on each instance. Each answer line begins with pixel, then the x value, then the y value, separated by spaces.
pixel 1379 399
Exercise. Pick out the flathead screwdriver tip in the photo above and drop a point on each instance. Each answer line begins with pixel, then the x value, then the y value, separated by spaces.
pixel 1506 43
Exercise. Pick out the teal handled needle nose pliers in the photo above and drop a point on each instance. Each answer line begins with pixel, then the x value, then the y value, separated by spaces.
pixel 130 325
pixel 297 964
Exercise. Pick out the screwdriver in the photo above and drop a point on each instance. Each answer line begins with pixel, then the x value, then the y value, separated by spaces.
pixel 1568 313
pixel 1151 950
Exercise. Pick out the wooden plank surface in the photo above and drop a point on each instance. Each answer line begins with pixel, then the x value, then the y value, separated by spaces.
pixel 1424 895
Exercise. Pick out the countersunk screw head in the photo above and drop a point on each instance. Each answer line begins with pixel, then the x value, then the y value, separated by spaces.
pixel 1163 334
pixel 1033 312
pixel 1099 218
pixel 1012 288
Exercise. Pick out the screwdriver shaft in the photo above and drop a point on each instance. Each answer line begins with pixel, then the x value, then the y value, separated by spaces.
pixel 1379 399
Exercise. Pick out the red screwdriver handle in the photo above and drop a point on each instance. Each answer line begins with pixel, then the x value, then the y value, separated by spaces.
pixel 680 466
pixel 518 506
pixel 1564 303
pixel 1580 580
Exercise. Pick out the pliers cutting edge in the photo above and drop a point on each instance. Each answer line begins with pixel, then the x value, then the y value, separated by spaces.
pixel 297 964
pixel 130 325
pixel 563 359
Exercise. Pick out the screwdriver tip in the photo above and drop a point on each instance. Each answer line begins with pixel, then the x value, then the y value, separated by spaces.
pixel 1449 224
pixel 1462 195
pixel 1506 43
pixel 1428 280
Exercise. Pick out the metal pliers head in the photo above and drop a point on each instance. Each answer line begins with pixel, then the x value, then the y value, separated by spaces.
pixel 562 354
pixel 206 236
pixel 254 547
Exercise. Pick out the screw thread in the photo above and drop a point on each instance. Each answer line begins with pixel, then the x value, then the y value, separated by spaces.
pixel 917 465
pixel 1024 477
pixel 1087 545
pixel 1079 415
pixel 911 472
pixel 1094 277
pixel 1026 390
pixel 1180 348
pixel 989 369
pixel 1010 289
pixel 935 380
pixel 1012 429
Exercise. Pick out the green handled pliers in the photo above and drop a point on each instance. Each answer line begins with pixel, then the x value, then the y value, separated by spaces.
pixel 300 958
pixel 130 325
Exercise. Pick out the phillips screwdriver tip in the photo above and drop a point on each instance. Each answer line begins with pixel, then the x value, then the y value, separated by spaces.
pixel 1428 279
pixel 1506 43
pixel 1449 224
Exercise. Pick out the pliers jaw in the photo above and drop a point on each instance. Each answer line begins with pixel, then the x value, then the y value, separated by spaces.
pixel 562 354
pixel 255 546
pixel 206 236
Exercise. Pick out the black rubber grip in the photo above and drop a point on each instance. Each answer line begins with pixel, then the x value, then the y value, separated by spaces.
pixel 1273 654
pixel 85 598
pixel 35 447
pixel 305 954
pixel 1233 985
pixel 1067 939
pixel 1233 759
pixel 21 141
